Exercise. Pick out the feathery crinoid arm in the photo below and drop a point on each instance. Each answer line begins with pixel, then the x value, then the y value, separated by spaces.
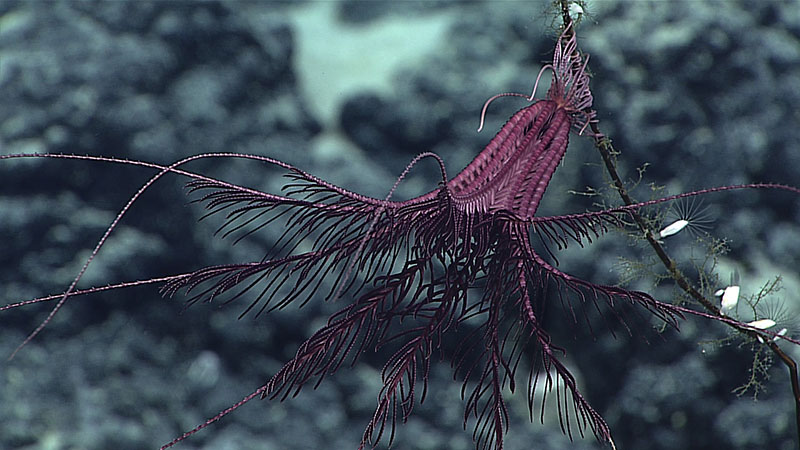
pixel 413 308
pixel 491 355
pixel 556 375
pixel 413 253
pixel 570 86
pixel 588 225
pixel 329 236
pixel 577 227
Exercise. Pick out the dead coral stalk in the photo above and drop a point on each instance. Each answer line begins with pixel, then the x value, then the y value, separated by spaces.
pixel 606 150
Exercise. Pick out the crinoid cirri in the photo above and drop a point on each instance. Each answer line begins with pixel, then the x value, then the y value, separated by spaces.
pixel 463 276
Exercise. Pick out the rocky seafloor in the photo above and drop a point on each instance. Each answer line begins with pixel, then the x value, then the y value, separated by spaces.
pixel 705 93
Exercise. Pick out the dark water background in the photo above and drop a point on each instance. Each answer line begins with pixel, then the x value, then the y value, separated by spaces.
pixel 705 92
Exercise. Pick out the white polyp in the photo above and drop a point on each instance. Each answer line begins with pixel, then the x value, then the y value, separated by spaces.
pixel 719 292
pixel 690 214
pixel 673 228
pixel 575 10
pixel 730 297
pixel 780 333
pixel 762 324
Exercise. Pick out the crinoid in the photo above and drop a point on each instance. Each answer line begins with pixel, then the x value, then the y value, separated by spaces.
pixel 460 260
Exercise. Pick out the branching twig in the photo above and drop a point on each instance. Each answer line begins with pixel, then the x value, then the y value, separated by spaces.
pixel 606 150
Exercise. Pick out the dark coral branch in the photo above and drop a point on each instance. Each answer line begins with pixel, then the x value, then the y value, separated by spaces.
pixel 606 150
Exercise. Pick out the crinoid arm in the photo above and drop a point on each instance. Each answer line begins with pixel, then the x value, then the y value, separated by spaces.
pixel 350 205
pixel 584 227
pixel 353 239
pixel 570 86
pixel 548 363
pixel 414 295
pixel 348 235
pixel 589 293
pixel 491 355
pixel 580 227
pixel 312 209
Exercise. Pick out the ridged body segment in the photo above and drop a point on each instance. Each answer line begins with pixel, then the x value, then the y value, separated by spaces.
pixel 512 172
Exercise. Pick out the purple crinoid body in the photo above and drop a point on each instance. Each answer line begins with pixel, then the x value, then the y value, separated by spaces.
pixel 458 259
pixel 513 171
pixel 411 268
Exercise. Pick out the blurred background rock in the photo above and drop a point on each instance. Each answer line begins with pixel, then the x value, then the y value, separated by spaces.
pixel 705 92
